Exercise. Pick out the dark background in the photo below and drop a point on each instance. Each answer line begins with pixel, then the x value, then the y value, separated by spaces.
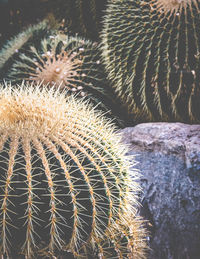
pixel 16 14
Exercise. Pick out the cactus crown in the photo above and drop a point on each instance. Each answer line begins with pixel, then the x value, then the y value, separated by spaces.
pixel 173 6
pixel 57 69
pixel 60 60
pixel 70 63
pixel 65 180
pixel 20 110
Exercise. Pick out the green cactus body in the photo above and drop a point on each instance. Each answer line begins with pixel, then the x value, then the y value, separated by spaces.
pixel 71 63
pixel 60 60
pixel 151 52
pixel 11 49
pixel 65 180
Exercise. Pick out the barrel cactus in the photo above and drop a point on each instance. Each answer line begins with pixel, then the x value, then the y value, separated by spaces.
pixel 67 62
pixel 60 60
pixel 151 52
pixel 10 50
pixel 66 185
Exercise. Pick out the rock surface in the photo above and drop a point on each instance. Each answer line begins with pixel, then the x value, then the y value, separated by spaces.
pixel 169 160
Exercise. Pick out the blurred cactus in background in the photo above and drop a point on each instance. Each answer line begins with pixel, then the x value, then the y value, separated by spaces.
pixel 75 16
pixel 79 16
pixel 151 52
pixel 66 185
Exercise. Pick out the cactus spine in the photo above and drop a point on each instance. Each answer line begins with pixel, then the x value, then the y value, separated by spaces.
pixel 60 60
pixel 65 180
pixel 71 63
pixel 11 49
pixel 151 51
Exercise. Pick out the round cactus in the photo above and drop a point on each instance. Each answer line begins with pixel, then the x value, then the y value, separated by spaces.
pixel 62 61
pixel 11 49
pixel 151 52
pixel 72 63
pixel 65 181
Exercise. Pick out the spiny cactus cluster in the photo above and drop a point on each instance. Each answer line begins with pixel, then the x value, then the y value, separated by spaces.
pixel 151 52
pixel 65 180
pixel 68 62
pixel 53 58
pixel 10 50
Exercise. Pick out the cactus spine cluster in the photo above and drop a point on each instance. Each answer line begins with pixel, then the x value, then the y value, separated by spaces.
pixel 65 180
pixel 151 52
pixel 10 50
pixel 68 62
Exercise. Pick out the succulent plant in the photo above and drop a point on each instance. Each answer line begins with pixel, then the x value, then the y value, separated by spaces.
pixel 10 50
pixel 151 52
pixel 60 60
pixel 71 63
pixel 66 184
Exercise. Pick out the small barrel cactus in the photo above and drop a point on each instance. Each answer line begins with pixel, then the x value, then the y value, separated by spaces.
pixel 59 60
pixel 68 62
pixel 151 52
pixel 11 49
pixel 66 185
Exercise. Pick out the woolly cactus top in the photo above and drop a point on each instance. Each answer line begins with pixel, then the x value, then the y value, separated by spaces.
pixel 24 111
pixel 173 5
pixel 59 60
pixel 65 180
pixel 57 69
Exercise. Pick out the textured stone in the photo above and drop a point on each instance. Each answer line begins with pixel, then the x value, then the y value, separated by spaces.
pixel 169 160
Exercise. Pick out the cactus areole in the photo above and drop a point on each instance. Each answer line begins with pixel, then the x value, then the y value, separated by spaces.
pixel 72 63
pixel 64 180
pixel 151 50
pixel 59 60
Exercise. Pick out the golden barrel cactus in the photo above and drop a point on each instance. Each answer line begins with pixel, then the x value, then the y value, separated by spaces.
pixel 60 60
pixel 65 182
pixel 151 52
pixel 69 62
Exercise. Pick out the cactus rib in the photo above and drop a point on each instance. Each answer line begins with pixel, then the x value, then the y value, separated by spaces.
pixel 150 50
pixel 66 184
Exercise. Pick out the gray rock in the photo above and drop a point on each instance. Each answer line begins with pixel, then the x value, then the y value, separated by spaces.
pixel 169 160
